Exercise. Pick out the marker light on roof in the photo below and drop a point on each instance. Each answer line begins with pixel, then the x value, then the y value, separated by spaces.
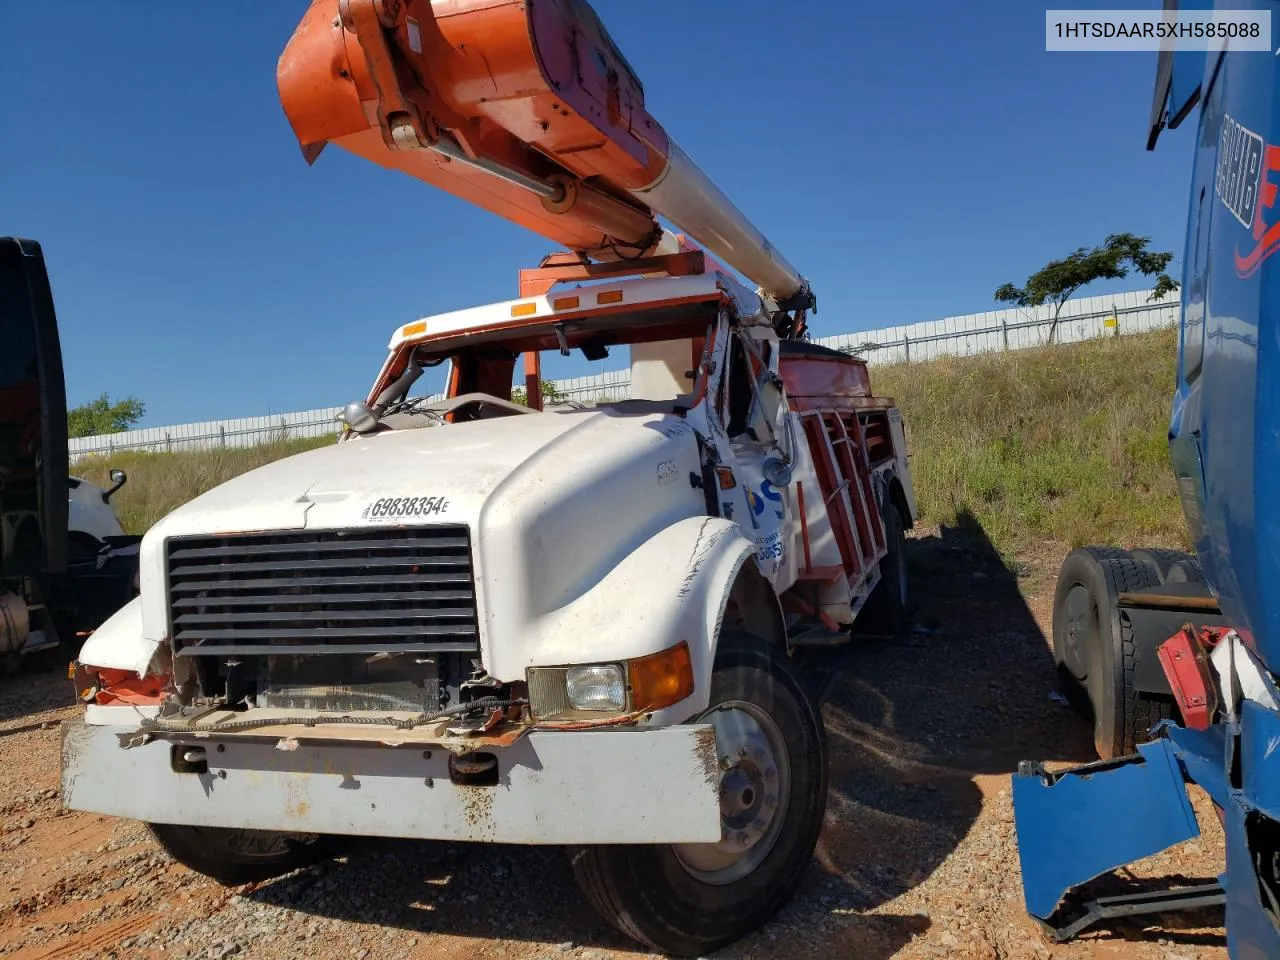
pixel 609 296
pixel 565 303
pixel 413 329
pixel 524 309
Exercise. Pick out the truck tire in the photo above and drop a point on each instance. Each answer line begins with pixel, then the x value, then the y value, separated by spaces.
pixel 1171 566
pixel 233 857
pixel 1076 621
pixel 692 899
pixel 1095 648
pixel 888 609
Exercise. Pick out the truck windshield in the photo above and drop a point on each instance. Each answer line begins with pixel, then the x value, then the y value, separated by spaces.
pixel 663 358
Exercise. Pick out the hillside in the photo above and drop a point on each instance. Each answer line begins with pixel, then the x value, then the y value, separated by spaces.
pixel 1063 443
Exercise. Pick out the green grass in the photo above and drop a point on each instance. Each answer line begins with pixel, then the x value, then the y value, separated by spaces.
pixel 1063 443
pixel 160 482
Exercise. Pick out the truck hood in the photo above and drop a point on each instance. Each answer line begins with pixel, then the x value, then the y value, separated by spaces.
pixel 454 468
pixel 552 501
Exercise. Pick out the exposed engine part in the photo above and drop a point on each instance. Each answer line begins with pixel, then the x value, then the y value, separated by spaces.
pixel 359 682
pixel 478 681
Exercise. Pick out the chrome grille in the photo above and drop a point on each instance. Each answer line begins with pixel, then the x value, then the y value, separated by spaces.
pixel 398 590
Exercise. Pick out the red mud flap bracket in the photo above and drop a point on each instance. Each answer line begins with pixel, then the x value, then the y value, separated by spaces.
pixel 1185 659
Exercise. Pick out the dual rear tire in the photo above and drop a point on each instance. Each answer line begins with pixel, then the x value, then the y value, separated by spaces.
pixel 1096 647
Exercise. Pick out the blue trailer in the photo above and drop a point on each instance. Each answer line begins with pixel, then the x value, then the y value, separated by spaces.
pixel 1174 656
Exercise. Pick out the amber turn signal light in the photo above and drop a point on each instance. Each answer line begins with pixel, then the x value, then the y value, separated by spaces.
pixel 661 679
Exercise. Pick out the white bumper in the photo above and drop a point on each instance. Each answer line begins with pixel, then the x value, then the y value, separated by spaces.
pixel 554 787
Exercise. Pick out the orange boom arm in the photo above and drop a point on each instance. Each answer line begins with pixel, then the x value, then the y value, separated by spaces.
pixel 526 109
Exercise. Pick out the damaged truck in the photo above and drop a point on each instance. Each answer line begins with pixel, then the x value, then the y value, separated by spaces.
pixel 473 619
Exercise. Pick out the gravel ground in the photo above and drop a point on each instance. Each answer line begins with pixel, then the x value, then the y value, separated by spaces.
pixel 917 859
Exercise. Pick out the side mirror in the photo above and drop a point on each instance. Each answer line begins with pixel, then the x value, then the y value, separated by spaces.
pixel 118 479
pixel 777 472
pixel 359 417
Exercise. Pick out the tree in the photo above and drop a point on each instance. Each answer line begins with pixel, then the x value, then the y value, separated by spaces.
pixel 550 394
pixel 102 416
pixel 1058 280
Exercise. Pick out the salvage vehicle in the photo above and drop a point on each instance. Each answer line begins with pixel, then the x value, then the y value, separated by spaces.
pixel 65 564
pixel 1172 655
pixel 475 619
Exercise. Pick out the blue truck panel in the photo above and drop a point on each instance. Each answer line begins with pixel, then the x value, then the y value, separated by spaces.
pixel 1225 406
pixel 1224 444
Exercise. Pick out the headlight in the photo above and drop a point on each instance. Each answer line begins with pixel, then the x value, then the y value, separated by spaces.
pixel 598 690
pixel 597 686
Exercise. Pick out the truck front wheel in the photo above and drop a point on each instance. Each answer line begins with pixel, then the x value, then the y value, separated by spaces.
pixel 691 899
pixel 233 857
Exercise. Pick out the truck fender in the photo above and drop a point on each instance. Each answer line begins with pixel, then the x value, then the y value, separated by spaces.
pixel 119 643
pixel 675 586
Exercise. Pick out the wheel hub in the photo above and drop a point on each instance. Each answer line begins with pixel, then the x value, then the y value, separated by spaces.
pixel 1079 627
pixel 753 794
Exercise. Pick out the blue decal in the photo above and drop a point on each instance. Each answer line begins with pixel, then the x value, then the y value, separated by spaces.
pixel 770 493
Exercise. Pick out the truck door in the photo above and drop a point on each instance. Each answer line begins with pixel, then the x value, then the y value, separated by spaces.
pixel 759 507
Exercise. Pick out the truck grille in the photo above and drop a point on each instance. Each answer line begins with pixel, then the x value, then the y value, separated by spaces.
pixel 401 590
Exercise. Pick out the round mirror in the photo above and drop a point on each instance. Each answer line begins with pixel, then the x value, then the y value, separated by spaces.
pixel 358 417
pixel 776 472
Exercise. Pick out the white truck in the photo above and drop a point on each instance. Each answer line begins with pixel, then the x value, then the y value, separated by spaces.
pixel 472 619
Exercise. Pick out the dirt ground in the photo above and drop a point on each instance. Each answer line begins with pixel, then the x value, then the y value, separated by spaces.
pixel 917 858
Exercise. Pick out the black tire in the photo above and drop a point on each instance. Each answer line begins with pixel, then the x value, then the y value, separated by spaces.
pixel 1095 648
pixel 1076 572
pixel 888 609
pixel 653 894
pixel 234 857
pixel 1171 566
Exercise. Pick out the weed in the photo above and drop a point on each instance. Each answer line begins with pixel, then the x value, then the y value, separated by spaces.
pixel 1066 442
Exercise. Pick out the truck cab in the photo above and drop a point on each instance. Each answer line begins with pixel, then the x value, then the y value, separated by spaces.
pixel 475 619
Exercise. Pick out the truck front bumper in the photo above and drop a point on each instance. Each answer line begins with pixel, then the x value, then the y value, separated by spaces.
pixel 554 787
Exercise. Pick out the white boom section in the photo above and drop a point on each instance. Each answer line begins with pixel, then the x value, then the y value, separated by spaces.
pixel 687 197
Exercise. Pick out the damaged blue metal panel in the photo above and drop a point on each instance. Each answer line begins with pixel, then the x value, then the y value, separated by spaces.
pixel 1260 757
pixel 1203 755
pixel 1251 933
pixel 1253 837
pixel 1096 818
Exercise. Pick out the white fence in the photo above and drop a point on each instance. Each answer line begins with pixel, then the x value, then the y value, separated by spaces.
pixel 1085 319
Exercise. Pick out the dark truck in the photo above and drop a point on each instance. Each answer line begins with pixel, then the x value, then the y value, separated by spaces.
pixel 47 600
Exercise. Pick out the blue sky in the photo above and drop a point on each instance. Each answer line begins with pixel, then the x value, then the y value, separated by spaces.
pixel 907 157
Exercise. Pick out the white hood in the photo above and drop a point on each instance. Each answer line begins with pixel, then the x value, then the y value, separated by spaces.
pixel 552 500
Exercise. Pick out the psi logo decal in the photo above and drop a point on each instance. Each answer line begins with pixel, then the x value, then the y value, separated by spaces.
pixel 767 492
